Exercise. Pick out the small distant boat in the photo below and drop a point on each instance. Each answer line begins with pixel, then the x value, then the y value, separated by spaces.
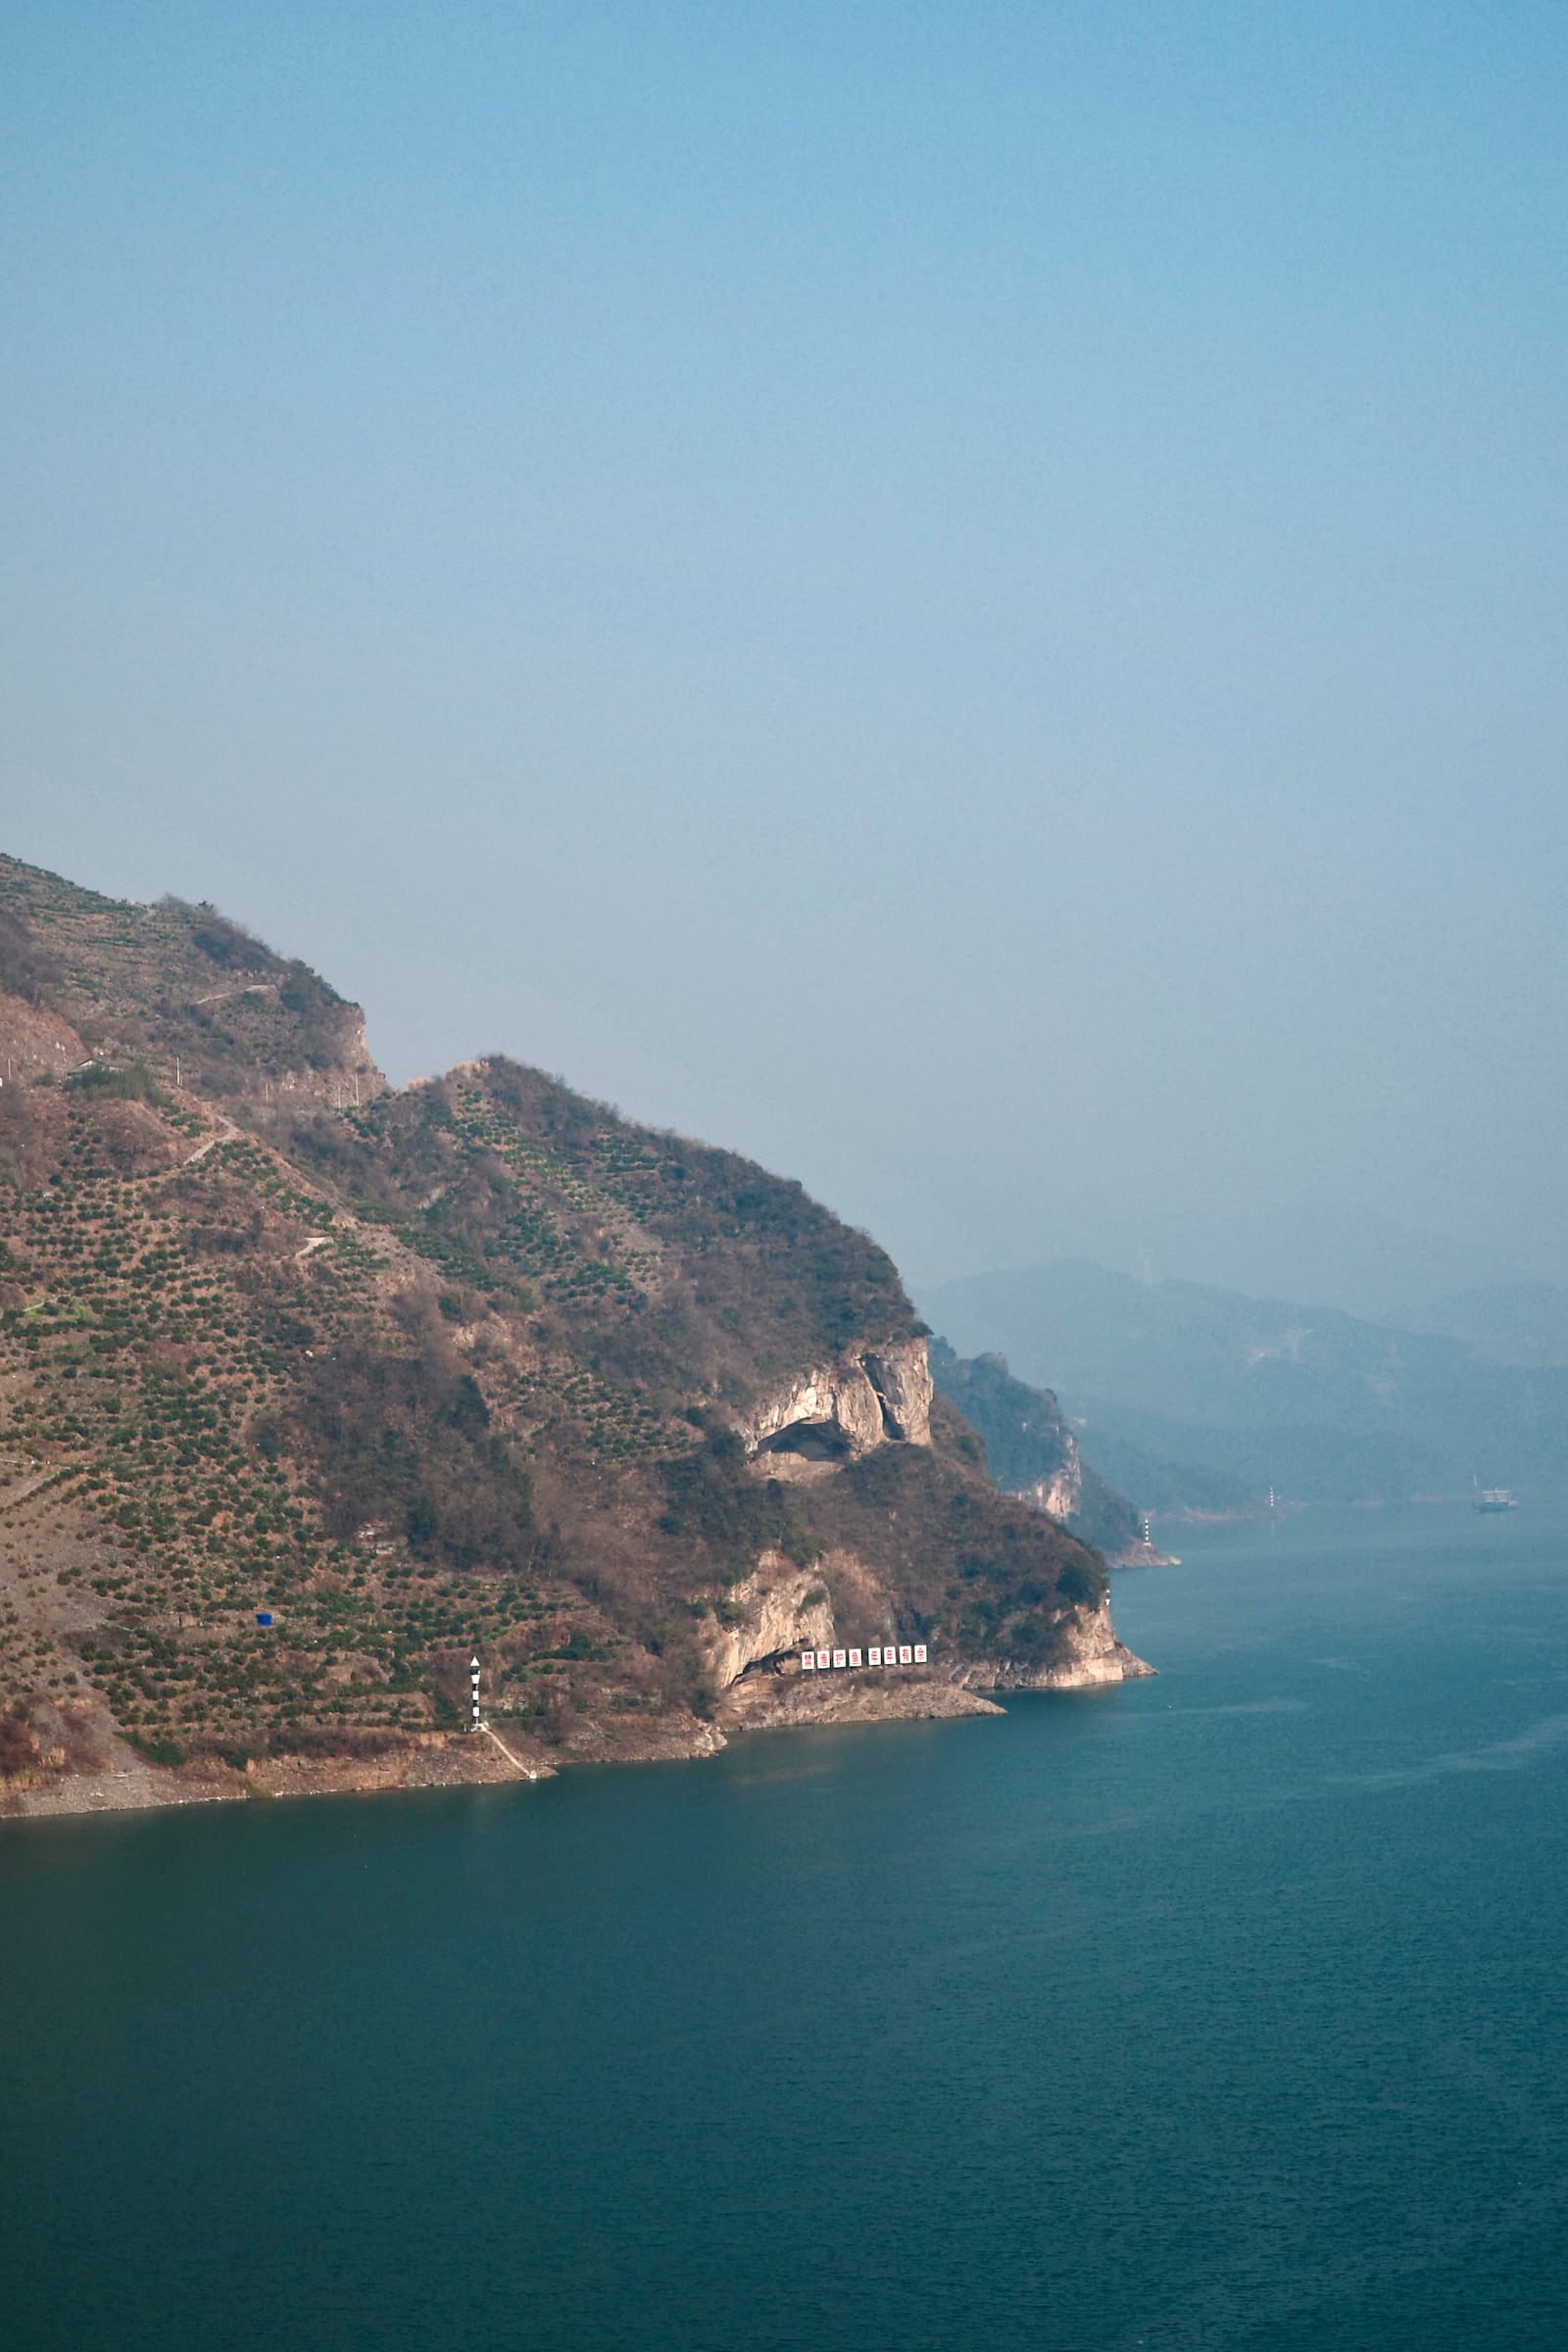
pixel 1497 1498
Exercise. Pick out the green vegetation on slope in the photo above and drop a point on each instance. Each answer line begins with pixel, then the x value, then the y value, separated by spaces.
pixel 446 1369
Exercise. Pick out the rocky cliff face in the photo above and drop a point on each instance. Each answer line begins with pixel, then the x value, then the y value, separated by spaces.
pixel 1086 1653
pixel 1031 1452
pixel 1059 1491
pixel 836 1412
pixel 776 1611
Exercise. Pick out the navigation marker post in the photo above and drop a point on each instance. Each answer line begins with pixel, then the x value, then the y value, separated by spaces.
pixel 473 1676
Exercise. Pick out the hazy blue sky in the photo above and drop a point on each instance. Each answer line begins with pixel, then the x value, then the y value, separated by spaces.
pixel 969 598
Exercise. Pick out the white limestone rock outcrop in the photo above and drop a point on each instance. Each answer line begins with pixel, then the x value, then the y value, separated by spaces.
pixel 839 1410
pixel 1087 1653
pixel 778 1607
pixel 1058 1494
pixel 901 1375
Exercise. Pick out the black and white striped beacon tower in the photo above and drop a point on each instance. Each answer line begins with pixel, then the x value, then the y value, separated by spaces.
pixel 473 1676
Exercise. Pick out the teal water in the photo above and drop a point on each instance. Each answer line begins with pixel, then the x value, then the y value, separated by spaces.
pixel 1224 2010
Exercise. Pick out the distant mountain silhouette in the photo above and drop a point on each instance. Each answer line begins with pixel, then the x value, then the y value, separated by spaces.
pixel 1262 1392
pixel 1515 1323
pixel 1373 1268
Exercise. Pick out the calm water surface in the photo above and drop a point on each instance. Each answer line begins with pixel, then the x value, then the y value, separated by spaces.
pixel 1226 2010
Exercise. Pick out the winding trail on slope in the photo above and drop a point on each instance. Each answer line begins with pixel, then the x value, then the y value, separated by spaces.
pixel 227 1134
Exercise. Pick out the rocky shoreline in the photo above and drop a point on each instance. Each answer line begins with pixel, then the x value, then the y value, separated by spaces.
pixel 750 1659
pixel 759 1699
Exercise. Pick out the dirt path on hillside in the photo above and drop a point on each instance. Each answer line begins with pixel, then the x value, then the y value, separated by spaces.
pixel 228 1132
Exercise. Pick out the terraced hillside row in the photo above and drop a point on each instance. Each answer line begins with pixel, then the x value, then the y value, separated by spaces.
pixel 152 1339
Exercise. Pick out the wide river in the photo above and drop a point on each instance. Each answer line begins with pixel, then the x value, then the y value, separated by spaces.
pixel 1224 2010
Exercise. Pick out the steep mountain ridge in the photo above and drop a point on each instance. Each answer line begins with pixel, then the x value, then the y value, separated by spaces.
pixel 1030 1450
pixel 476 1368
pixel 183 987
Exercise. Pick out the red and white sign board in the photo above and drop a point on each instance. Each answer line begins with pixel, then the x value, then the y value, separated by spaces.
pixel 822 1661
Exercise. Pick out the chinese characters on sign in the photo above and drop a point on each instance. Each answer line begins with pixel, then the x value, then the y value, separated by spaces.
pixel 825 1661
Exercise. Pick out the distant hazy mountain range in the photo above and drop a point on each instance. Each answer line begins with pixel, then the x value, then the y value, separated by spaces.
pixel 1512 1323
pixel 1184 1395
pixel 1366 1265
pixel 1030 1450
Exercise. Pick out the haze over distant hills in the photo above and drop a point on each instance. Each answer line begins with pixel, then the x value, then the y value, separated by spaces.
pixel 1182 1392
pixel 1370 1266
pixel 1515 1323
